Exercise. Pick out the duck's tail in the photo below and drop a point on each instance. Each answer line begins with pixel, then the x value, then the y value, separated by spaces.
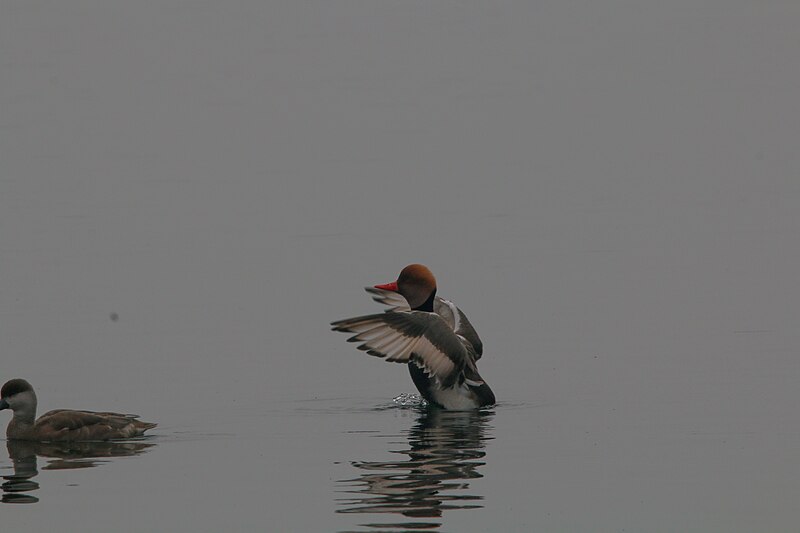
pixel 141 426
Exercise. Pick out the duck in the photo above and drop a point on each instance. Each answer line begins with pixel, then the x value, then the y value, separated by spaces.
pixel 428 333
pixel 63 424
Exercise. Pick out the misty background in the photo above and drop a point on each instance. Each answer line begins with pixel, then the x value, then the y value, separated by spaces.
pixel 191 191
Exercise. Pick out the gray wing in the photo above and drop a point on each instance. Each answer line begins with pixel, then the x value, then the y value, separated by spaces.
pixel 403 336
pixel 451 314
pixel 459 322
pixel 393 300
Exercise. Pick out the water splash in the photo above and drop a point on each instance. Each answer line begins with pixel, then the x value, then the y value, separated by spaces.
pixel 409 400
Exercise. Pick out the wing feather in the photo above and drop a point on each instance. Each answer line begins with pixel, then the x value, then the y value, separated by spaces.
pixel 466 330
pixel 393 300
pixel 69 424
pixel 392 344
pixel 451 314
pixel 403 336
pixel 458 321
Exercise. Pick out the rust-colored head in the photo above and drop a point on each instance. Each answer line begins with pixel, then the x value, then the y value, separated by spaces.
pixel 415 282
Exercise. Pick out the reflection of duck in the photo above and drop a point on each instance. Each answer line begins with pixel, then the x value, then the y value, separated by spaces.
pixel 445 447
pixel 62 455
pixel 69 455
pixel 430 334
pixel 63 424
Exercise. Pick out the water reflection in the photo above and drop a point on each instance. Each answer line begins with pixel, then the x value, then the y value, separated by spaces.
pixel 60 456
pixel 445 449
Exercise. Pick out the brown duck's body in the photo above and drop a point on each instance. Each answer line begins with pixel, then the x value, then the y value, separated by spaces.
pixel 63 424
pixel 68 425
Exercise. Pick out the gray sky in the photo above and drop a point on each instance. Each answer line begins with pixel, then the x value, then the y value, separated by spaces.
pixel 612 179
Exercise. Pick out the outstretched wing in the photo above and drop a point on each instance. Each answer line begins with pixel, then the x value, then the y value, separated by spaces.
pixel 403 336
pixel 391 299
pixel 451 314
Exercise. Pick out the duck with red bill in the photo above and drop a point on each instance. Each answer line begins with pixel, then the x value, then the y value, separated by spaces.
pixel 428 333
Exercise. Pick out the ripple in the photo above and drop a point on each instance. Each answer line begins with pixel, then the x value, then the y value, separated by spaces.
pixel 429 478
pixel 60 456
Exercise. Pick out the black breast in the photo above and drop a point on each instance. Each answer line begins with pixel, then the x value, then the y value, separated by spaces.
pixel 423 382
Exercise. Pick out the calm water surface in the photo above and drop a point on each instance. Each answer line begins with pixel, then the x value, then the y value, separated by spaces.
pixel 191 192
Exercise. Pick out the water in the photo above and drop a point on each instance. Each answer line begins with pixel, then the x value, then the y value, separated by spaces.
pixel 439 455
pixel 190 193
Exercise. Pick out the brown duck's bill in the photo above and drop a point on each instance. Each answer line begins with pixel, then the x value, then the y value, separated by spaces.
pixel 4 405
pixel 388 286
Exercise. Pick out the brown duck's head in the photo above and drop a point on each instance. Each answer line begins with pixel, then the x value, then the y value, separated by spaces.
pixel 415 282
pixel 16 391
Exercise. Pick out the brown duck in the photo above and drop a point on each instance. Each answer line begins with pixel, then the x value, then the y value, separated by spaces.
pixel 63 424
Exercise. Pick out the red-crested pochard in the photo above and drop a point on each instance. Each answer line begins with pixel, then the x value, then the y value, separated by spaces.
pixel 430 334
